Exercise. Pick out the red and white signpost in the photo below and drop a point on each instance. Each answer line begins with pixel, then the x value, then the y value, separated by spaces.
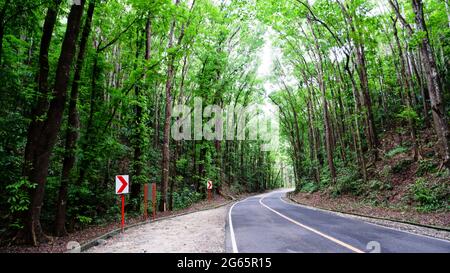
pixel 122 188
pixel 209 186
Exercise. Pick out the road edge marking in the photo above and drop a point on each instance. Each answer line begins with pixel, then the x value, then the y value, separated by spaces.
pixel 230 222
pixel 356 217
pixel 337 241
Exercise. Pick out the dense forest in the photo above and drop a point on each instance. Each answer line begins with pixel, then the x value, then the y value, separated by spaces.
pixel 365 90
pixel 88 89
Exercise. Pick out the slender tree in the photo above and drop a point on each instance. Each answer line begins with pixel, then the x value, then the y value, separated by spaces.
pixel 73 125
pixel 44 143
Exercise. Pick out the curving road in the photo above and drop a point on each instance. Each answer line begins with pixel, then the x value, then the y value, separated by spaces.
pixel 268 224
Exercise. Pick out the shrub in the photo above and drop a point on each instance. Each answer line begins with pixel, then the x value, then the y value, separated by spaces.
pixel 237 188
pixel 348 182
pixel 185 198
pixel 309 187
pixel 325 178
pixel 85 220
pixel 18 199
pixel 377 185
pixel 397 150
pixel 401 166
pixel 385 172
pixel 408 114
pixel 430 196
pixel 425 167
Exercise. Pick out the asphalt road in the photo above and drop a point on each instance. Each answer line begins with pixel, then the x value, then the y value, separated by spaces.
pixel 268 224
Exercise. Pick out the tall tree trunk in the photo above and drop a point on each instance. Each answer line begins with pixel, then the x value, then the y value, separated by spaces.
pixel 157 116
pixel 296 137
pixel 138 124
pixel 168 116
pixel 366 99
pixel 337 128
pixel 148 39
pixel 357 135
pixel 201 162
pixel 174 175
pixel 382 95
pixel 41 104
pixel 138 161
pixel 194 164
pixel 73 125
pixel 242 174
pixel 408 89
pixel 312 144
pixel 326 114
pixel 434 86
pixel 423 93
pixel 89 135
pixel 47 139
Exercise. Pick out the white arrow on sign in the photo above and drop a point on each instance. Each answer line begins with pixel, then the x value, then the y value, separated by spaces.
pixel 122 184
pixel 209 185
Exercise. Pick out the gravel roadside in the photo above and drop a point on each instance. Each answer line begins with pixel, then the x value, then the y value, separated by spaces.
pixel 199 232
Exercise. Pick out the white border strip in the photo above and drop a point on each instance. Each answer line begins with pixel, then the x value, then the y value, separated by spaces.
pixel 230 221
pixel 339 242
pixel 233 238
pixel 363 219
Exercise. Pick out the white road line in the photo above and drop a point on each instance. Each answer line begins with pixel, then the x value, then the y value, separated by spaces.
pixel 352 248
pixel 230 221
pixel 233 238
pixel 361 218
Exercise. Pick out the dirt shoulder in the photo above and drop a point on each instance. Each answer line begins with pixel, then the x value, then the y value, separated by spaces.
pixel 349 204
